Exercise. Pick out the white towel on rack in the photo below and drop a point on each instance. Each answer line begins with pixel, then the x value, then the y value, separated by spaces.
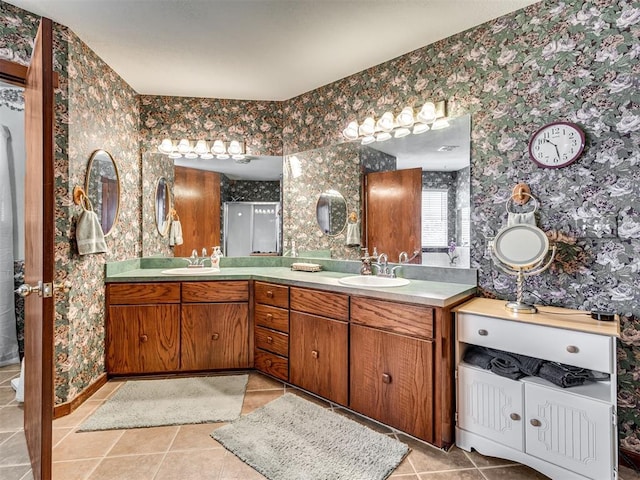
pixel 89 234
pixel 175 233
pixel 353 234
pixel 528 218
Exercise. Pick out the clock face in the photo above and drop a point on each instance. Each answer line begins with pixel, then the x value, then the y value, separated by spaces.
pixel 556 145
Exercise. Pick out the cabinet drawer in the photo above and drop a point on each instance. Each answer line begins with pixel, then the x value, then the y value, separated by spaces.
pixel 397 317
pixel 318 302
pixel 558 345
pixel 272 364
pixel 215 292
pixel 271 294
pixel 272 341
pixel 143 293
pixel 272 317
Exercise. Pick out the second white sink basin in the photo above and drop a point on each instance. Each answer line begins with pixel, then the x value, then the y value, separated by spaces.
pixel 373 281
pixel 191 271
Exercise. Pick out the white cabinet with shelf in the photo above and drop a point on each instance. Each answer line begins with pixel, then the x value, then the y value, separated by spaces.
pixel 565 433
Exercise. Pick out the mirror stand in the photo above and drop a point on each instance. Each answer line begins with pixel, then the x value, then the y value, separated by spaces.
pixel 519 306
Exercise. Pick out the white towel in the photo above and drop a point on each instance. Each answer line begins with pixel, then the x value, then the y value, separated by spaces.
pixel 175 234
pixel 353 234
pixel 520 218
pixel 89 234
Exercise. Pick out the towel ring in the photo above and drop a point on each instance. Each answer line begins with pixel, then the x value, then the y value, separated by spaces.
pixel 511 199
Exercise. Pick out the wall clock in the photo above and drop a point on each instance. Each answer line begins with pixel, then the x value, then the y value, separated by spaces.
pixel 556 145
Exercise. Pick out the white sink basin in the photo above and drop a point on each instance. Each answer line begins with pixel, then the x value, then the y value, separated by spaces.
pixel 191 271
pixel 373 281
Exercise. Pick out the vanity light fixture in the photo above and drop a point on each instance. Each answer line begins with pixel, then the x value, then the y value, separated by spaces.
pixel 431 116
pixel 204 149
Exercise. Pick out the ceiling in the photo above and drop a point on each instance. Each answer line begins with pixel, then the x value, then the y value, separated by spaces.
pixel 257 49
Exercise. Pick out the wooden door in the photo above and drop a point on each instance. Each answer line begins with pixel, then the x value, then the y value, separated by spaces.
pixel 215 336
pixel 392 380
pixel 110 192
pixel 393 210
pixel 39 248
pixel 318 356
pixel 143 338
pixel 197 201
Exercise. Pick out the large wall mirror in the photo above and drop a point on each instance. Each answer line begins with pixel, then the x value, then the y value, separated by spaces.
pixel 103 188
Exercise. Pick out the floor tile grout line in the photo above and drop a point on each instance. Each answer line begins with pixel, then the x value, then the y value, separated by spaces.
pixel 155 474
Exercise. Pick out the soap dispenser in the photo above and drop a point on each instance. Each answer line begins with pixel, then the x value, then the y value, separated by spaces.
pixel 215 258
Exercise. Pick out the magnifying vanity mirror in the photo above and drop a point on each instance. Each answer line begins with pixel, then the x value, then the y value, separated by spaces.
pixel 162 206
pixel 331 212
pixel 103 188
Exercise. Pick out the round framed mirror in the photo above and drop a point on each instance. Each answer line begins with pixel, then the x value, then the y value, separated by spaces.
pixel 521 246
pixel 331 212
pixel 163 206
pixel 103 189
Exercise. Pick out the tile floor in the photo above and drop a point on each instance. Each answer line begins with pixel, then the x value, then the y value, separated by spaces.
pixel 188 452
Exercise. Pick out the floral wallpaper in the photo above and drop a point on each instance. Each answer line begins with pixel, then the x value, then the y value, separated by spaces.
pixel 12 98
pixel 249 191
pixel 555 60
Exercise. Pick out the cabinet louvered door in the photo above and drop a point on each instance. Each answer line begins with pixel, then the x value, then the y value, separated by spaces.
pixel 491 405
pixel 571 431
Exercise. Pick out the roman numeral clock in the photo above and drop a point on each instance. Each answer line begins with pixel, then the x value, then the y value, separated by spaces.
pixel 556 144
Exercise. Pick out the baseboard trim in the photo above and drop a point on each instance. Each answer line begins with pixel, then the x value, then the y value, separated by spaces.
pixel 66 408
pixel 629 459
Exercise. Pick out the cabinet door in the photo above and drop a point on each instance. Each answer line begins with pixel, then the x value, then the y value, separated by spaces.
pixel 143 338
pixel 318 356
pixel 491 406
pixel 392 380
pixel 571 431
pixel 215 336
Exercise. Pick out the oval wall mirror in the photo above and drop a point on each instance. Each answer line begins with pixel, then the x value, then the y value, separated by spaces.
pixel 103 188
pixel 331 212
pixel 163 206
pixel 521 246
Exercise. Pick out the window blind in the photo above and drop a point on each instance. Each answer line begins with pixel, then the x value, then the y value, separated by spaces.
pixel 435 228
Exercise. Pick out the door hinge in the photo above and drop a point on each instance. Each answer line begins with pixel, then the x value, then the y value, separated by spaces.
pixel 455 417
pixel 614 418
pixel 46 290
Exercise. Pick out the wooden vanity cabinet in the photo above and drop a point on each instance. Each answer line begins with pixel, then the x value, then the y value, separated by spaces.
pixel 392 365
pixel 143 328
pixel 271 329
pixel 215 325
pixel 319 332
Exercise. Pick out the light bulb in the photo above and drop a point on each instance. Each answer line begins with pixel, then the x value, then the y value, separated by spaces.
pixel 385 123
pixel 218 148
pixel 234 148
pixel 368 127
pixel 383 136
pixel 206 156
pixel 191 155
pixel 201 147
pixel 175 155
pixel 222 156
pixel 351 132
pixel 401 132
pixel 166 146
pixel 420 128
pixel 405 117
pixel 427 113
pixel 440 124
pixel 368 139
pixel 184 146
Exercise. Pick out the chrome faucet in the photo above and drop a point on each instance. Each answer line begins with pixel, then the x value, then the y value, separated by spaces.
pixel 196 261
pixel 382 265
pixel 403 257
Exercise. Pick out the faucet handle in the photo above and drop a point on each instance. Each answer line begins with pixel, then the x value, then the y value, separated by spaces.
pixel 204 252
pixel 403 257
pixel 393 270
pixel 194 253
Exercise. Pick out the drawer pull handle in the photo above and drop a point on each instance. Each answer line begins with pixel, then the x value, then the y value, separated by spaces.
pixel 269 339
pixel 535 422
pixel 269 294
pixel 215 336
pixel 572 349
pixel 144 338
pixel 514 416
pixel 482 332
pixel 386 378
pixel 268 363
pixel 314 353
pixel 269 316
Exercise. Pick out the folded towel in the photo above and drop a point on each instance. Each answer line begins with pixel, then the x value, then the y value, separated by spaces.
pixel 564 375
pixel 504 368
pixel 353 234
pixel 478 356
pixel 175 234
pixel 518 218
pixel 527 365
pixel 89 234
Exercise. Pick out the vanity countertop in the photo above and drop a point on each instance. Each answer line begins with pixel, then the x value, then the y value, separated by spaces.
pixel 435 293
